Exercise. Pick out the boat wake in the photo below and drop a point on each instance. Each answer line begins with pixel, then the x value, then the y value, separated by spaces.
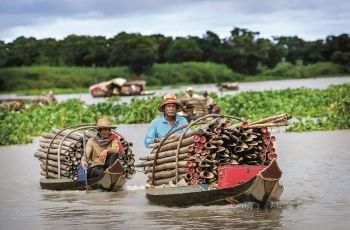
pixel 134 187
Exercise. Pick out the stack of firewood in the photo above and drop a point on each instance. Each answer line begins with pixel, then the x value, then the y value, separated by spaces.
pixel 70 153
pixel 215 143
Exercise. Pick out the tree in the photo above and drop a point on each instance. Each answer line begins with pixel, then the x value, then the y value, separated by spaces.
pixel 49 52
pixel 211 46
pixel 342 58
pixel 295 48
pixel 313 51
pixel 134 50
pixel 84 51
pixel 3 54
pixel 241 51
pixel 270 53
pixel 333 44
pixel 22 51
pixel 183 49
pixel 163 44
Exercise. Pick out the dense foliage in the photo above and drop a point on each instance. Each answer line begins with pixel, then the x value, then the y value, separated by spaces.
pixel 313 109
pixel 243 51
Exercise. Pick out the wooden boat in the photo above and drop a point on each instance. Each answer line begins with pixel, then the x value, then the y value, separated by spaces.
pixel 228 86
pixel 119 87
pixel 262 188
pixel 112 180
pixel 143 93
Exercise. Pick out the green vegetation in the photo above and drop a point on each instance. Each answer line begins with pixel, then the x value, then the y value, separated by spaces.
pixel 46 77
pixel 314 110
pixel 64 80
pixel 288 70
pixel 243 51
pixel 189 73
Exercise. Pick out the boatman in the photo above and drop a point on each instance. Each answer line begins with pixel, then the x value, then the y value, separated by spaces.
pixel 168 120
pixel 209 102
pixel 189 93
pixel 102 150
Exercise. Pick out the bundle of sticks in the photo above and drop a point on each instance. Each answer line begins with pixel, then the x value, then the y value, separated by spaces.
pixel 71 152
pixel 203 149
pixel 127 158
pixel 195 106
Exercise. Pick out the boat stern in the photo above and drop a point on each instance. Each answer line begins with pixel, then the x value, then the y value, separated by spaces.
pixel 267 186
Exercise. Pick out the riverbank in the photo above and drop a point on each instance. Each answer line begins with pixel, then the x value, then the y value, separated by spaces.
pixel 76 79
pixel 312 109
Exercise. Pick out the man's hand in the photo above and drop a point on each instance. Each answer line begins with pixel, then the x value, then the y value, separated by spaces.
pixel 103 155
pixel 157 139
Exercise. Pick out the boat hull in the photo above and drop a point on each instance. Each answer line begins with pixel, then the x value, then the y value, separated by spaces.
pixel 107 182
pixel 112 180
pixel 262 189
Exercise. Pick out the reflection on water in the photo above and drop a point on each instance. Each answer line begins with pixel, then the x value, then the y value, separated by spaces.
pixel 315 165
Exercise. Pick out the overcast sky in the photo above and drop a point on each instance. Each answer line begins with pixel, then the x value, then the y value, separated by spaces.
pixel 308 19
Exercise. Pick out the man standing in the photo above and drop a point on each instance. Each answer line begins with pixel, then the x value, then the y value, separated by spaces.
pixel 209 102
pixel 168 120
pixel 190 94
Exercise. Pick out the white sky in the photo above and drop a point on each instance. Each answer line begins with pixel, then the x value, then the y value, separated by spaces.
pixel 308 19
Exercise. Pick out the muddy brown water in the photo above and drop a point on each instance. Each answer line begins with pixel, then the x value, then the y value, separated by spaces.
pixel 316 172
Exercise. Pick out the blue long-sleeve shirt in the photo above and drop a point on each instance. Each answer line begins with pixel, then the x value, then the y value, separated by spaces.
pixel 159 127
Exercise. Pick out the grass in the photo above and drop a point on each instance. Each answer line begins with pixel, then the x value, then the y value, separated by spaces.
pixel 63 80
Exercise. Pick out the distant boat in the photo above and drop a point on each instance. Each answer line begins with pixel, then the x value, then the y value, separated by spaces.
pixel 119 87
pixel 18 103
pixel 227 86
pixel 239 183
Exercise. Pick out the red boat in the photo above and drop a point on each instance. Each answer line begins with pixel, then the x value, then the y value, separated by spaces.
pixel 236 184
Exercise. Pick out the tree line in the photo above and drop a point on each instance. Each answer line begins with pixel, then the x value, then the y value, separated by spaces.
pixel 243 51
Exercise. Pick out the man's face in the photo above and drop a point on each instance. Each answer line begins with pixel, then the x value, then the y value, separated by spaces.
pixel 105 132
pixel 170 109
pixel 190 92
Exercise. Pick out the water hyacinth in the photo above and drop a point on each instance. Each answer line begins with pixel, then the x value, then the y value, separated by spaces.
pixel 314 109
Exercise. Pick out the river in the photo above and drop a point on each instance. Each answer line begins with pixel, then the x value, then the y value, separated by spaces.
pixel 316 83
pixel 316 172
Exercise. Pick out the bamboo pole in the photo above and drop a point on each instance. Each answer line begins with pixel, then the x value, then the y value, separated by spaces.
pixel 167 174
pixel 268 125
pixel 58 137
pixel 64 164
pixel 76 135
pixel 268 119
pixel 170 165
pixel 54 146
pixel 184 156
pixel 57 141
pixel 50 156
pixel 173 145
pixel 53 151
pixel 64 172
pixel 165 154
pixel 51 174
